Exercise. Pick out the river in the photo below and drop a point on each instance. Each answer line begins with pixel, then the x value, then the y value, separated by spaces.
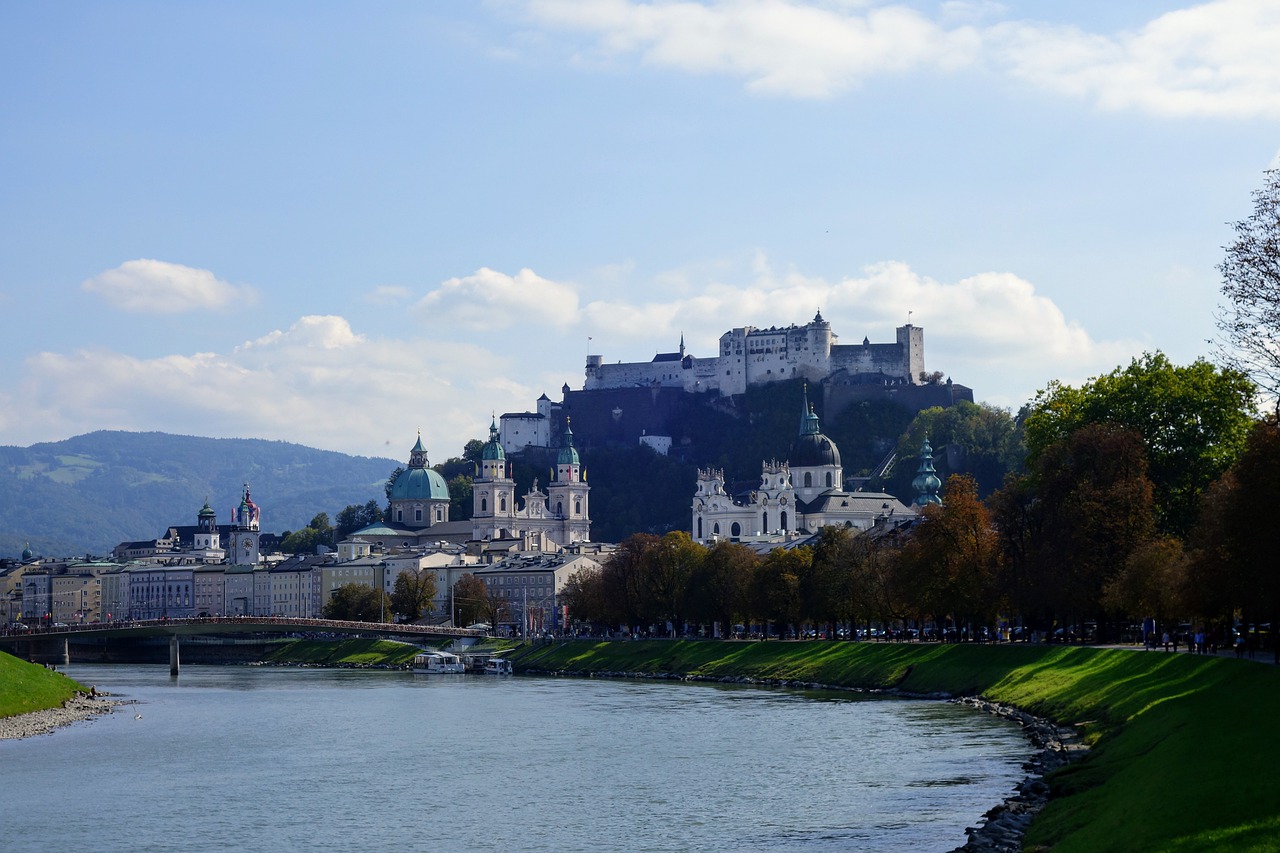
pixel 282 759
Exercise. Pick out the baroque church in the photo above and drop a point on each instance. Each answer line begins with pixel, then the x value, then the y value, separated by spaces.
pixel 538 521
pixel 795 497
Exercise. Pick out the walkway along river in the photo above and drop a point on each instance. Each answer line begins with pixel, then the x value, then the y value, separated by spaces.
pixel 235 758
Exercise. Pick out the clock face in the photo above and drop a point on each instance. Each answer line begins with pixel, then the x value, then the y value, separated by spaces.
pixel 248 543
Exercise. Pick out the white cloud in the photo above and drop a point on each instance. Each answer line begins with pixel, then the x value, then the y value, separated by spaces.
pixel 1214 59
pixel 146 286
pixel 487 299
pixel 317 383
pixel 387 294
pixel 778 47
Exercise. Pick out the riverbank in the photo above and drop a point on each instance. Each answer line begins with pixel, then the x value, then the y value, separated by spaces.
pixel 79 707
pixel 1182 757
pixel 36 700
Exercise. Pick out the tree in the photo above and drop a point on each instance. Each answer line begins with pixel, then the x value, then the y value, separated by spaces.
pixel 1236 550
pixel 471 602
pixel 719 584
pixel 672 562
pixel 952 556
pixel 583 595
pixel 1151 581
pixel 1250 321
pixel 413 593
pixel 307 540
pixel 628 591
pixel 976 439
pixel 354 517
pixel 355 602
pixel 1192 420
pixel 1094 507
pixel 776 584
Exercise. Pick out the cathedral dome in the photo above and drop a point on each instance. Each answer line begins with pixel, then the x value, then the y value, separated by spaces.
pixel 812 450
pixel 419 484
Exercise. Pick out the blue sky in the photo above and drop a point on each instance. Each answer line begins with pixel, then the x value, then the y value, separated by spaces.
pixel 337 224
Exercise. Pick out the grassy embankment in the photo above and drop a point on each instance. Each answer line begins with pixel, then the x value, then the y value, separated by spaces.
pixel 1184 755
pixel 354 652
pixel 27 687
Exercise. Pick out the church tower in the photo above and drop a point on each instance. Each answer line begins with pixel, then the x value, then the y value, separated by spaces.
pixel 567 494
pixel 206 540
pixel 814 458
pixel 493 493
pixel 245 529
pixel 926 482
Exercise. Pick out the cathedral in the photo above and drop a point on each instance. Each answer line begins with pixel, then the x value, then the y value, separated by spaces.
pixel 538 521
pixel 798 496
pixel 560 515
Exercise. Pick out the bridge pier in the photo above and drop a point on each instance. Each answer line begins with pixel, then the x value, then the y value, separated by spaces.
pixel 173 654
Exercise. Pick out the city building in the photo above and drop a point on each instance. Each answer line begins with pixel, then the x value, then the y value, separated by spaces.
pixel 795 497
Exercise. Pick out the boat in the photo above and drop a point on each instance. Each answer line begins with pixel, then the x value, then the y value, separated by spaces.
pixel 497 666
pixel 436 663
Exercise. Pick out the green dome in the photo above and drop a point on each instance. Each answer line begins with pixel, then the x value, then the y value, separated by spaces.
pixel 206 511
pixel 568 453
pixel 419 484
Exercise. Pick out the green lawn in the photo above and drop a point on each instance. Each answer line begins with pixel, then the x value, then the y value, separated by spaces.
pixel 26 687
pixel 1183 755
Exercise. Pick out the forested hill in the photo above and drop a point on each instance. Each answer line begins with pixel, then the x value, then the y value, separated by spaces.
pixel 89 493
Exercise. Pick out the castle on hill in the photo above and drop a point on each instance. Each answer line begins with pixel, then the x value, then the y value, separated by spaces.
pixel 750 356
pixel 630 402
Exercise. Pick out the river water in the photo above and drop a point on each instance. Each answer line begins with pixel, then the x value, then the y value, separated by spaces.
pixel 249 758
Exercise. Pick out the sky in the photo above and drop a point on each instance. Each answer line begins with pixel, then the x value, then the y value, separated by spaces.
pixel 338 224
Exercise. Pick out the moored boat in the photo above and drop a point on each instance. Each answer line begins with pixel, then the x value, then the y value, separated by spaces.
pixel 497 666
pixel 435 663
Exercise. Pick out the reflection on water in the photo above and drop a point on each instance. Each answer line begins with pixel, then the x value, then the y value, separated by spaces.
pixel 247 758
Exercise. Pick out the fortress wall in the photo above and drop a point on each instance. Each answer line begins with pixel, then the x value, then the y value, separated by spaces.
pixel 889 359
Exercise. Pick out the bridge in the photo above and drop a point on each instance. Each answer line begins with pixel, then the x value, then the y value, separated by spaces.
pixel 49 643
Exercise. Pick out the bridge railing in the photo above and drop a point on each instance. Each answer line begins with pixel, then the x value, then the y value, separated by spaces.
pixel 284 622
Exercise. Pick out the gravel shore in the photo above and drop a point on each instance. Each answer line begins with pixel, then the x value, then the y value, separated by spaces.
pixel 78 707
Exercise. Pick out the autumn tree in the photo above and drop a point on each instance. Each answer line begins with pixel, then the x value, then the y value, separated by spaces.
pixel 628 591
pixel 1150 583
pixel 1236 549
pixel 775 586
pixel 671 563
pixel 1250 321
pixel 719 584
pixel 1095 505
pixel 471 603
pixel 356 602
pixel 951 556
pixel 583 596
pixel 413 593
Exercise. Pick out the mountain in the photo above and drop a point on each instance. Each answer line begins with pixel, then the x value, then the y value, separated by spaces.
pixel 89 493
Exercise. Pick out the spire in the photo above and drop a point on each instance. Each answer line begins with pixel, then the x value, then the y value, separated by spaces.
pixel 418 454
pixel 808 420
pixel 926 482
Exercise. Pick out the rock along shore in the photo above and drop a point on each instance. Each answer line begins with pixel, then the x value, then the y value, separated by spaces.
pixel 82 706
pixel 1005 825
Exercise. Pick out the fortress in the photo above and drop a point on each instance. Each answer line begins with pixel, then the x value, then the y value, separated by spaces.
pixel 750 356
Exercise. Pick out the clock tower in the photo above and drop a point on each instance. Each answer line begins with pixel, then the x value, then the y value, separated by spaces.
pixel 242 539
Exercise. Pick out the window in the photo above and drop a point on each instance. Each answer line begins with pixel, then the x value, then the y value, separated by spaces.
pixel 828 479
pixel 502 503
pixel 784 522
pixel 577 507
pixel 417 514
pixel 484 504
pixel 764 522
pixel 736 530
pixel 808 479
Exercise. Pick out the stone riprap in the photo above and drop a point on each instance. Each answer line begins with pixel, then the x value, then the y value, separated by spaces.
pixel 79 707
